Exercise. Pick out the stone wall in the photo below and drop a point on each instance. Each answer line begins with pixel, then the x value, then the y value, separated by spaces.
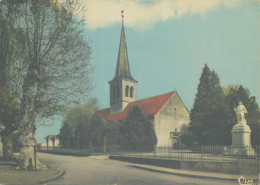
pixel 172 116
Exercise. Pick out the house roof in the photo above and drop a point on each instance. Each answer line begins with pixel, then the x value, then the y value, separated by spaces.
pixel 150 106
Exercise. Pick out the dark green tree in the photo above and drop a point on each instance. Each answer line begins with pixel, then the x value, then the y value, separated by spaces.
pixel 67 134
pixel 137 130
pixel 75 130
pixel 98 129
pixel 208 124
pixel 112 133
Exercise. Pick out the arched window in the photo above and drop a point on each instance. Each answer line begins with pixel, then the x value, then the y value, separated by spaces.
pixel 131 92
pixel 117 91
pixel 126 90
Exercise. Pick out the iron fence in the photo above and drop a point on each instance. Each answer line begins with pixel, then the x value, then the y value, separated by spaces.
pixel 209 153
pixel 188 153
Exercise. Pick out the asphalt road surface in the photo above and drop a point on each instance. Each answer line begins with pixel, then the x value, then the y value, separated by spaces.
pixel 91 171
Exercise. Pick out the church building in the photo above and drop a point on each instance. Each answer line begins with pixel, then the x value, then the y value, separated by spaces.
pixel 166 112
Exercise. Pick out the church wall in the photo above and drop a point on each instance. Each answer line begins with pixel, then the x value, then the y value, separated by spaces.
pixel 172 116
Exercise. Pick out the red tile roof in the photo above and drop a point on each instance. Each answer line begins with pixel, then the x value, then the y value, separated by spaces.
pixel 150 106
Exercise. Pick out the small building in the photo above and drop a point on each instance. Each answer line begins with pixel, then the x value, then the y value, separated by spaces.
pixel 166 112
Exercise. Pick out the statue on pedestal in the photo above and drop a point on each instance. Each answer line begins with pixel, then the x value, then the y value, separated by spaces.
pixel 240 112
pixel 241 134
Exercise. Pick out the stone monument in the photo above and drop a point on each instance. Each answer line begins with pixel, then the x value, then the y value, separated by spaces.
pixel 241 133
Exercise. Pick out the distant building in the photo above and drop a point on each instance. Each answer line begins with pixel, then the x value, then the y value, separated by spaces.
pixel 166 112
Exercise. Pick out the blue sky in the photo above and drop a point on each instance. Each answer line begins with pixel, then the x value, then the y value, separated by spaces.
pixel 168 44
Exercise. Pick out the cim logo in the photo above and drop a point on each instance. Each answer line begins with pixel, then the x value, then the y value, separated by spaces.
pixel 243 181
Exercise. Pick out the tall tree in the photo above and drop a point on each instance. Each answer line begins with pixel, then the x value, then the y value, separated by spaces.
pixel 137 130
pixel 98 128
pixel 53 65
pixel 9 106
pixel 75 130
pixel 208 115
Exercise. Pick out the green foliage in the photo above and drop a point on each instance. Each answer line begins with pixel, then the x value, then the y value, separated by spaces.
pixel 253 117
pixel 98 129
pixel 112 133
pixel 76 125
pixel 137 130
pixel 209 114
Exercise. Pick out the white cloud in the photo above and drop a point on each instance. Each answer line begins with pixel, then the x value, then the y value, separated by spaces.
pixel 143 14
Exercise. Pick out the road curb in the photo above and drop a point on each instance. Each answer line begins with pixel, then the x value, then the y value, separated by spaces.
pixel 56 176
pixel 183 174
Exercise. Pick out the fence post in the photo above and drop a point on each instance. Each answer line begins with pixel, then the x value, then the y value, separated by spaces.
pixel 181 153
pixel 258 155
pixel 35 156
pixel 258 169
pixel 201 153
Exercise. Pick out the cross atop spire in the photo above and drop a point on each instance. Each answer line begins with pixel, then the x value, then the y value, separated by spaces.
pixel 122 11
pixel 122 68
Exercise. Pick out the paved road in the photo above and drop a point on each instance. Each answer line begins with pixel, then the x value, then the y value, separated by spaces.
pixel 91 171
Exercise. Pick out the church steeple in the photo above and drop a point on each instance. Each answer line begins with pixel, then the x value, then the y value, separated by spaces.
pixel 123 86
pixel 122 67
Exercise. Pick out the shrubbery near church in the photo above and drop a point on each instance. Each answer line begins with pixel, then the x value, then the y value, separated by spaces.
pixel 136 130
pixel 80 130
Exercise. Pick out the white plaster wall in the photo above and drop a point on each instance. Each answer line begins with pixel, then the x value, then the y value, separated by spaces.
pixel 44 144
pixel 57 142
pixel 166 121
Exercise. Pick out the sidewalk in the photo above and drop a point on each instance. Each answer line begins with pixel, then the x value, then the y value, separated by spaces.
pixel 190 173
pixel 10 175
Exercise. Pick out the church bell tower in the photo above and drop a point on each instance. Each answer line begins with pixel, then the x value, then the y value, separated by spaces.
pixel 123 86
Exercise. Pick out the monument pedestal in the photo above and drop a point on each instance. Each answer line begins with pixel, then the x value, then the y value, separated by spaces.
pixel 241 134
pixel 241 140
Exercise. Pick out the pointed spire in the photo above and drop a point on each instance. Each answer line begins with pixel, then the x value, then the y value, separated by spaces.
pixel 123 68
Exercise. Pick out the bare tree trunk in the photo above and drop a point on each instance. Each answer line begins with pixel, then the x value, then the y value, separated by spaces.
pixel 27 141
pixel 7 146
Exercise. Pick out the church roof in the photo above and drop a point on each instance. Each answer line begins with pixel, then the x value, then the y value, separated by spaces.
pixel 122 67
pixel 150 106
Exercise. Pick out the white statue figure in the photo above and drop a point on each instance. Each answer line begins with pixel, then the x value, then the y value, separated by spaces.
pixel 240 111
